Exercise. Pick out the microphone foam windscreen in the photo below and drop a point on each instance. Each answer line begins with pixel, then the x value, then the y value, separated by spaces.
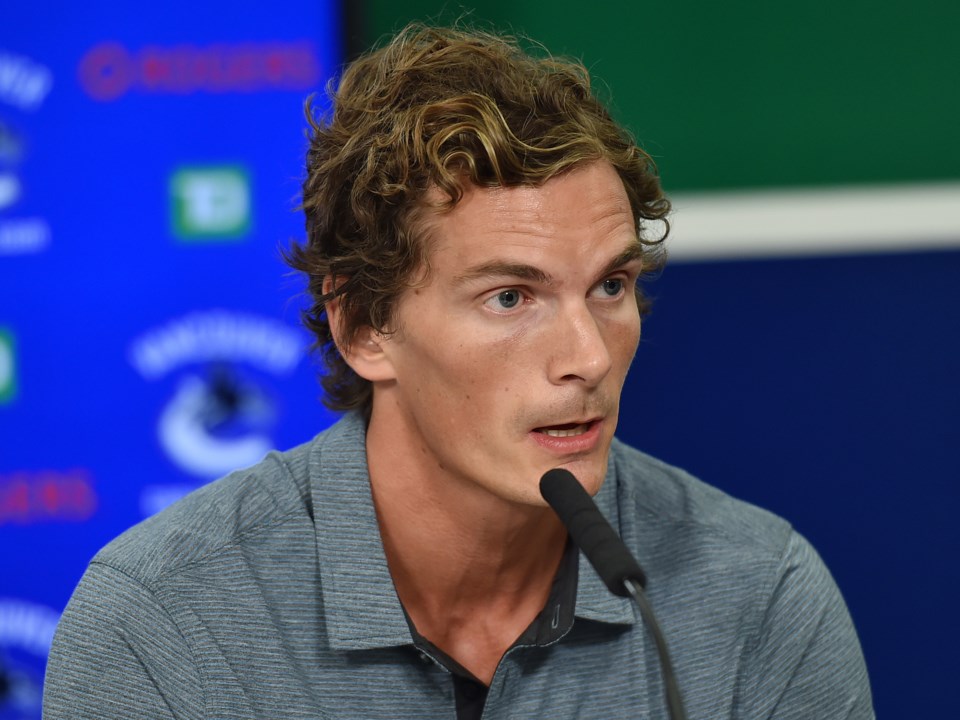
pixel 590 530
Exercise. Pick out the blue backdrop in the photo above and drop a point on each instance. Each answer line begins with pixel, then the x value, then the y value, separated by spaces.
pixel 825 390
pixel 149 164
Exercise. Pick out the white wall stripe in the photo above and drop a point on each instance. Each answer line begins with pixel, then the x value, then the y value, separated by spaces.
pixel 822 221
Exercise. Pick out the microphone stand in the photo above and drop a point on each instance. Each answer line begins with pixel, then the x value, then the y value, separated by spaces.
pixel 670 688
pixel 613 562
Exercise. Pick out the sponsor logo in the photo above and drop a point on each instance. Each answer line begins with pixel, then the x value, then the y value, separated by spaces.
pixel 26 631
pixel 210 202
pixel 27 626
pixel 8 367
pixel 216 422
pixel 24 83
pixel 221 413
pixel 9 189
pixel 109 70
pixel 217 335
pixel 28 497
pixel 18 236
pixel 11 150
pixel 23 236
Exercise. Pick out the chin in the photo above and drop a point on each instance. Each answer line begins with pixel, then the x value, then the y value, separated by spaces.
pixel 587 474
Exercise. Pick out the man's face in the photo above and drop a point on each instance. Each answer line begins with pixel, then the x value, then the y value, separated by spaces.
pixel 510 359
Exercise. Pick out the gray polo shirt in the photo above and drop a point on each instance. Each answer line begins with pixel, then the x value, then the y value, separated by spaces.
pixel 267 595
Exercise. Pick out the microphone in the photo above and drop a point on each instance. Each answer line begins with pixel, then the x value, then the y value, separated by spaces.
pixel 590 531
pixel 614 563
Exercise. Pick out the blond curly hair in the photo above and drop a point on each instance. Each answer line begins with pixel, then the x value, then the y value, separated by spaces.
pixel 439 108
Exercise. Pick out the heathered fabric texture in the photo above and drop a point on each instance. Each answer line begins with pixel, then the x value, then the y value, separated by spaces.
pixel 267 595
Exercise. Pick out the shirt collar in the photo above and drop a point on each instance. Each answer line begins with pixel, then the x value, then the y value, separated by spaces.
pixel 361 606
pixel 594 599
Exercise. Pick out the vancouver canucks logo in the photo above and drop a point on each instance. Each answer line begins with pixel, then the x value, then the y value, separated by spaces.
pixel 216 422
pixel 220 413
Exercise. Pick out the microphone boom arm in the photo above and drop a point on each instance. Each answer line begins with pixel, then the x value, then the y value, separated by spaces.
pixel 612 560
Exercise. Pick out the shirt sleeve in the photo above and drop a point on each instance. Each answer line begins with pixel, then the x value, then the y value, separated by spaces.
pixel 807 662
pixel 117 654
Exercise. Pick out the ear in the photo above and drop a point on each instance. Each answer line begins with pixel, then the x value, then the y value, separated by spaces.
pixel 364 353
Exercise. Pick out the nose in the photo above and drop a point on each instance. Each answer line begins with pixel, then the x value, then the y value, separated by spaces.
pixel 579 349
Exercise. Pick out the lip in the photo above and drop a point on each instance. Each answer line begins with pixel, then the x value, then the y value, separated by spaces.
pixel 585 442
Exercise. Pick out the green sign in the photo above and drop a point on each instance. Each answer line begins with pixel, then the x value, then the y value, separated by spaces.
pixel 210 203
pixel 8 367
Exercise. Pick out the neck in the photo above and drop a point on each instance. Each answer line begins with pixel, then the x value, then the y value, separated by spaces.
pixel 471 569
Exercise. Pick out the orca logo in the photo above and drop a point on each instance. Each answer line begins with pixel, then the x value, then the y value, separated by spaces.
pixel 216 424
pixel 221 415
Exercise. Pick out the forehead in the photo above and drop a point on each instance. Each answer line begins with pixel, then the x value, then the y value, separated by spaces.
pixel 581 216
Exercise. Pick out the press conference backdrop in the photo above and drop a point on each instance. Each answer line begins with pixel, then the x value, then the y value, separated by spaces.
pixel 802 353
pixel 803 350
pixel 150 157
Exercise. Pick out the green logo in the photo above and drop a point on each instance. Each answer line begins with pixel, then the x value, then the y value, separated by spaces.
pixel 8 367
pixel 210 203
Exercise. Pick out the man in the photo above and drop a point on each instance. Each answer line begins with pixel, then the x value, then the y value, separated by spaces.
pixel 477 225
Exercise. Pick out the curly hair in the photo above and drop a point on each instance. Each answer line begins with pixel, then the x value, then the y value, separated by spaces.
pixel 439 108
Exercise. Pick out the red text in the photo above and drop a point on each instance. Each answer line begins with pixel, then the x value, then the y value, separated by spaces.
pixel 31 496
pixel 109 70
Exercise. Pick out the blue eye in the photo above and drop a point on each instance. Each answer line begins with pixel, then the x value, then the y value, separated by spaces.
pixel 508 298
pixel 612 286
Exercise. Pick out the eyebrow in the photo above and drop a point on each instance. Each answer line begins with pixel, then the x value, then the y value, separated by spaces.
pixel 633 252
pixel 531 273
pixel 505 269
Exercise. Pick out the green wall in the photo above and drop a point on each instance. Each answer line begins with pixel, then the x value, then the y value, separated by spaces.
pixel 753 94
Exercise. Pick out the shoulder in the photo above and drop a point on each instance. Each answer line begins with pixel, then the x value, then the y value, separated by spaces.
pixel 695 541
pixel 678 501
pixel 735 582
pixel 227 513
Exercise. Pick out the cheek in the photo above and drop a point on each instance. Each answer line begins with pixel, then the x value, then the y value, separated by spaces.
pixel 451 373
pixel 623 339
pixel 496 360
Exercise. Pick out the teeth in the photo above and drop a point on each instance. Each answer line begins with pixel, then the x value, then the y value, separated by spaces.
pixel 578 430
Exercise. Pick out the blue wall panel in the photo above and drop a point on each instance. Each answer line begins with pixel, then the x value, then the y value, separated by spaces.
pixel 826 390
pixel 150 158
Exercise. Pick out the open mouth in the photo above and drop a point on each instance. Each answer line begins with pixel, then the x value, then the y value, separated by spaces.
pixel 566 430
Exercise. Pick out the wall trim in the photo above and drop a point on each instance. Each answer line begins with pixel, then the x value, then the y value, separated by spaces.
pixel 814 221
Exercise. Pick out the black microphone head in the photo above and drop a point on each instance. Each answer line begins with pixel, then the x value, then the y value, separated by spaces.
pixel 590 531
pixel 561 489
